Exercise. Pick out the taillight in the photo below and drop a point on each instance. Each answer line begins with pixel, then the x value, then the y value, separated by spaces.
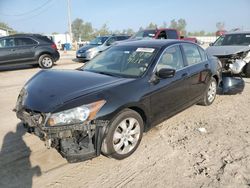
pixel 54 46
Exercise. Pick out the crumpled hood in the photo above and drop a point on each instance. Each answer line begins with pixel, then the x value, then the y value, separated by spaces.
pixel 50 89
pixel 226 50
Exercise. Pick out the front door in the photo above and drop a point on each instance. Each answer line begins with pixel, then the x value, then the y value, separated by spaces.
pixel 198 68
pixel 25 49
pixel 170 94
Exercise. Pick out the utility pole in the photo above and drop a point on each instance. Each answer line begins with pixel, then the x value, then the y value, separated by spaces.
pixel 69 21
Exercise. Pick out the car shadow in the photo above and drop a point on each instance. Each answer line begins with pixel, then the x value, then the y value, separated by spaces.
pixel 15 165
pixel 17 67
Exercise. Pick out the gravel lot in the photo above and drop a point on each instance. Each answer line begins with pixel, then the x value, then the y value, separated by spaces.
pixel 200 147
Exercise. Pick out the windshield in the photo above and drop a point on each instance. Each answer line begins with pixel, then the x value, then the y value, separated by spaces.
pixel 145 34
pixel 126 61
pixel 233 40
pixel 98 41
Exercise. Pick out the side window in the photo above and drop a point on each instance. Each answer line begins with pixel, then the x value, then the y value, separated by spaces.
pixel 203 54
pixel 122 38
pixel 171 59
pixel 192 54
pixel 5 43
pixel 162 35
pixel 24 42
pixel 171 34
pixel 111 41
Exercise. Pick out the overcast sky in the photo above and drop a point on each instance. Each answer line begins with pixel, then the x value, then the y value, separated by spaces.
pixel 47 16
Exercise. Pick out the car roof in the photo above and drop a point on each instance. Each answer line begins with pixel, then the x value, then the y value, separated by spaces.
pixel 113 35
pixel 26 35
pixel 152 43
pixel 237 32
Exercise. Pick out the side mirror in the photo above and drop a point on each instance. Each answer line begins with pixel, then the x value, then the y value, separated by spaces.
pixel 211 44
pixel 165 73
pixel 182 37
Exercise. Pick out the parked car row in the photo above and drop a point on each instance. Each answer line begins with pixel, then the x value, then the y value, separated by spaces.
pixel 101 43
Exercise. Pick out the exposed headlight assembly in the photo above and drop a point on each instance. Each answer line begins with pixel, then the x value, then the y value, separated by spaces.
pixel 76 115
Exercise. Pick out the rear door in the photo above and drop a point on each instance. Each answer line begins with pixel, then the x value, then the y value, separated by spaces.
pixel 25 49
pixel 169 95
pixel 6 50
pixel 198 69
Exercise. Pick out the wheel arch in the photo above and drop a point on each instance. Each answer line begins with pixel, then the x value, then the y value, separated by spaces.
pixel 43 53
pixel 216 77
pixel 141 112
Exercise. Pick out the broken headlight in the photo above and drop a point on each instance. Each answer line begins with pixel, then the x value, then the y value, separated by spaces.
pixel 76 115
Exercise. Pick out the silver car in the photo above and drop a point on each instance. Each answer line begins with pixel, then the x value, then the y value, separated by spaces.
pixel 96 46
pixel 233 50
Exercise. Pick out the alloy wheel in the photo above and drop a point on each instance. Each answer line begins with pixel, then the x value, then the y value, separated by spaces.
pixel 126 135
pixel 47 62
pixel 211 91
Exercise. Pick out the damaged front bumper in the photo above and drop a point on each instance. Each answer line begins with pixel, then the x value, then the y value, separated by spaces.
pixel 76 142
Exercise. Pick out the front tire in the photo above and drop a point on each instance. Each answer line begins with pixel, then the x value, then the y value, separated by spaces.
pixel 124 135
pixel 210 93
pixel 46 61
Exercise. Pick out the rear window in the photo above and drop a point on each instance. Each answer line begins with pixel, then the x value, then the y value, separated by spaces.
pixel 45 39
pixel 192 54
pixel 122 37
pixel 171 34
pixel 24 42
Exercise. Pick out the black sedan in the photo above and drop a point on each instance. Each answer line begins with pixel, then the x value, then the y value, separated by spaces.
pixel 105 106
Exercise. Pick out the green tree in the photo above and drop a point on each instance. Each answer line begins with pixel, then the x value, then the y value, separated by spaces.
pixel 164 25
pixel 128 31
pixel 173 24
pixel 77 26
pixel 104 30
pixel 152 26
pixel 6 27
pixel 87 31
pixel 82 30
pixel 180 25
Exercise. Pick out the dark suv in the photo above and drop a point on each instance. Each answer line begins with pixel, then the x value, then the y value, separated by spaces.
pixel 28 49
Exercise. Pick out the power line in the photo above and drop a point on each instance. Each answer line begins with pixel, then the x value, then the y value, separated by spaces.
pixel 28 12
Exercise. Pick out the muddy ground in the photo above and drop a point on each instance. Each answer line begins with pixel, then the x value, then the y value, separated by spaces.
pixel 199 147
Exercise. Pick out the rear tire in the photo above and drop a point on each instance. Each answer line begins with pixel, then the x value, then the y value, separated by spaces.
pixel 210 93
pixel 247 70
pixel 124 135
pixel 46 61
